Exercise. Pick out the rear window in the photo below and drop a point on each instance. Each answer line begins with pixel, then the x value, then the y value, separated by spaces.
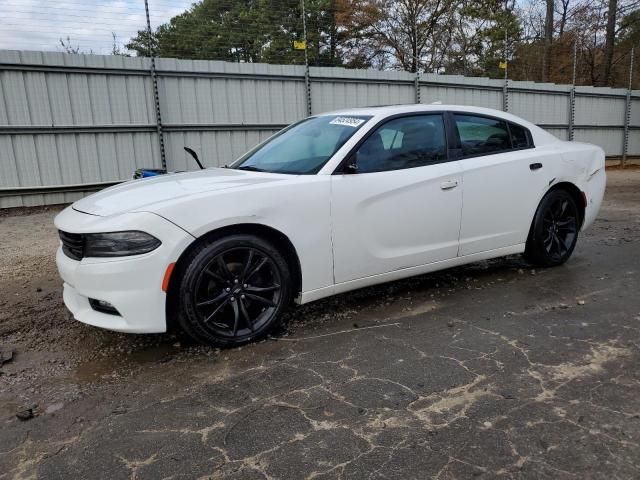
pixel 519 136
pixel 482 135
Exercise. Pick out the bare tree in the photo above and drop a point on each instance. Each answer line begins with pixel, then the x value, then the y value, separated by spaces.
pixel 564 15
pixel 610 39
pixel 116 48
pixel 67 47
pixel 410 34
pixel 548 39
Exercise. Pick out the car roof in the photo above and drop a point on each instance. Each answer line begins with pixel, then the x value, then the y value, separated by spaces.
pixel 384 110
pixel 388 110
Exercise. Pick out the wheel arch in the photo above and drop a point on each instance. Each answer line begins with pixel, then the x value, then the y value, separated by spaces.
pixel 278 238
pixel 575 193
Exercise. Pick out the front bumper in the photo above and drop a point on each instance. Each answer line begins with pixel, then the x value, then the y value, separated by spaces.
pixel 133 285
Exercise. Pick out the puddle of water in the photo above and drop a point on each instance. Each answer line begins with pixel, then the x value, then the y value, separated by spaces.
pixel 110 367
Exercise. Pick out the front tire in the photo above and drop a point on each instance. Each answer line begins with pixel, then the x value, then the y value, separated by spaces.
pixel 554 231
pixel 233 290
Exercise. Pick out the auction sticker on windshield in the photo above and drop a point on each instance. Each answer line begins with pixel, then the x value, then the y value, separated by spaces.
pixel 347 121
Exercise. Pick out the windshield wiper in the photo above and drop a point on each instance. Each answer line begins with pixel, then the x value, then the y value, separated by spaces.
pixel 250 168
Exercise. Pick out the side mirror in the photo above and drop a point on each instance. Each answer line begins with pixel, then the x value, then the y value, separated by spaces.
pixel 351 166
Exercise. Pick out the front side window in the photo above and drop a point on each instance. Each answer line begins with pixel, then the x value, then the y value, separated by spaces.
pixel 304 147
pixel 482 135
pixel 405 142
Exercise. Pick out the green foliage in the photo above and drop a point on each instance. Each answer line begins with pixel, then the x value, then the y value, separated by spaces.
pixel 630 30
pixel 245 31
pixel 467 37
pixel 480 38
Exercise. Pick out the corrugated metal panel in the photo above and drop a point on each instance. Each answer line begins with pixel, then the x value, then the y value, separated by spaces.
pixel 193 100
pixel 461 96
pixel 635 111
pixel 72 158
pixel 541 108
pixel 608 138
pixel 61 98
pixel 213 102
pixel 591 110
pixel 37 200
pixel 215 149
pixel 561 133
pixel 327 96
pixel 337 88
pixel 223 109
pixel 8 163
pixel 634 143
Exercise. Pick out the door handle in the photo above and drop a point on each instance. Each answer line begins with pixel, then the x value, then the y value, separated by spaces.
pixel 449 184
pixel 535 166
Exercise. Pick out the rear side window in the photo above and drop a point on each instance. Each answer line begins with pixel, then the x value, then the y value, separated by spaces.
pixel 519 136
pixel 482 135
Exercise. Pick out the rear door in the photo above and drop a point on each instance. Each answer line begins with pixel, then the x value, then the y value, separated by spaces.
pixel 400 205
pixel 503 176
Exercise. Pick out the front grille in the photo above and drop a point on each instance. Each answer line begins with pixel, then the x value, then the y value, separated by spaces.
pixel 72 244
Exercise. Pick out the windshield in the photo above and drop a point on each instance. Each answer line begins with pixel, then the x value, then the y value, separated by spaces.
pixel 302 148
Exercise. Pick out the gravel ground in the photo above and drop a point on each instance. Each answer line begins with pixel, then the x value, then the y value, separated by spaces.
pixel 492 370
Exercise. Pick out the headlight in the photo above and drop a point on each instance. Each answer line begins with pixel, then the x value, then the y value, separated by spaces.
pixel 119 244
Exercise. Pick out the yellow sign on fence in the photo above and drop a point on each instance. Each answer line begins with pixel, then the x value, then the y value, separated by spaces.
pixel 299 44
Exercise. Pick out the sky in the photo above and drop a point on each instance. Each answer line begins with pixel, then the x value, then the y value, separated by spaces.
pixel 89 24
pixel 40 24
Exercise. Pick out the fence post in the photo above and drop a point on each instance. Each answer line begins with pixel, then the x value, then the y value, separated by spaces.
pixel 505 87
pixel 156 96
pixel 505 95
pixel 627 114
pixel 307 78
pixel 572 93
pixel 307 87
pixel 416 86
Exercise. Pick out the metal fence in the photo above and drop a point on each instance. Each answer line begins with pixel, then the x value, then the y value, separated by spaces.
pixel 70 124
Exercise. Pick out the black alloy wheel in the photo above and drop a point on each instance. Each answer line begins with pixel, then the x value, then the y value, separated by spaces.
pixel 233 291
pixel 555 230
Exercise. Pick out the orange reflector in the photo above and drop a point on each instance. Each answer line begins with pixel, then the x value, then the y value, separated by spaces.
pixel 167 277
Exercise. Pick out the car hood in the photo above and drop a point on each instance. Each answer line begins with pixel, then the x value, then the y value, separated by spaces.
pixel 142 194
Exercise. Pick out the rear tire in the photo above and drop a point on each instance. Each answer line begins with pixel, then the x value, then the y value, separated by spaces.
pixel 554 231
pixel 233 290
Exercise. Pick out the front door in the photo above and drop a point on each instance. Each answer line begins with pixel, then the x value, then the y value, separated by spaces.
pixel 400 204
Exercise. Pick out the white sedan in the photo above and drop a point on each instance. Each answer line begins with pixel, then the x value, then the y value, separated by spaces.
pixel 335 202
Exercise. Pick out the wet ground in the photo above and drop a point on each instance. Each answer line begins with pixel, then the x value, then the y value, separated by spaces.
pixel 494 370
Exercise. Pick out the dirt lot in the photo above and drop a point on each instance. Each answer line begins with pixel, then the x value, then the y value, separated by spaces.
pixel 494 370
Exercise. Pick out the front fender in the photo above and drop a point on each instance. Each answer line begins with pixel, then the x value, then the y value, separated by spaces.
pixel 299 209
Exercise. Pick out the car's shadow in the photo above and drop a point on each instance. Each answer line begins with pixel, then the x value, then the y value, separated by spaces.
pixel 359 308
pixel 392 298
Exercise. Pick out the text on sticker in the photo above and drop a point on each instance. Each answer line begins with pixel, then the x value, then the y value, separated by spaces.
pixel 347 121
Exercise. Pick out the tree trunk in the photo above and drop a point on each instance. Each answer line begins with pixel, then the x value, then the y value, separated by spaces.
pixel 603 80
pixel 563 18
pixel 548 38
pixel 414 45
pixel 333 34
